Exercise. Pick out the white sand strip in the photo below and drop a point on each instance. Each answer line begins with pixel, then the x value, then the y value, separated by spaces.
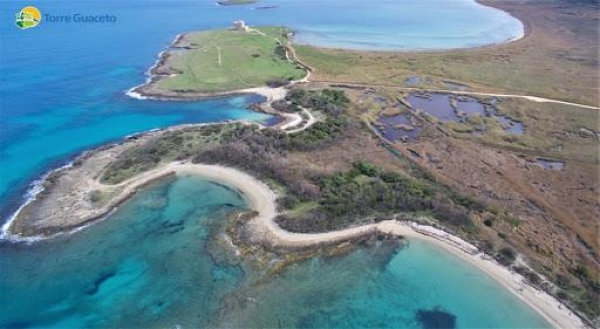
pixel 262 199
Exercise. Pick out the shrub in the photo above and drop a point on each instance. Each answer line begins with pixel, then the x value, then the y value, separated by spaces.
pixel 506 256
pixel 581 272
pixel 367 169
pixel 276 83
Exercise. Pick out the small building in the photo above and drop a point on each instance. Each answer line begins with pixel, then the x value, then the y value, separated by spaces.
pixel 240 26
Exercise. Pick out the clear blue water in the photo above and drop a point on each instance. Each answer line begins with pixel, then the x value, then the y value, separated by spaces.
pixel 381 288
pixel 145 266
pixel 151 265
pixel 62 88
pixel 399 24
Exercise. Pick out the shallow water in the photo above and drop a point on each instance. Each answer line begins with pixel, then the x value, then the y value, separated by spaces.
pixel 145 266
pixel 413 80
pixel 419 286
pixel 511 126
pixel 550 164
pixel 151 265
pixel 62 91
pixel 439 106
pixel 392 130
pixel 436 105
pixel 398 25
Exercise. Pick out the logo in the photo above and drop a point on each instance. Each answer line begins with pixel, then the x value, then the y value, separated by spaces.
pixel 28 17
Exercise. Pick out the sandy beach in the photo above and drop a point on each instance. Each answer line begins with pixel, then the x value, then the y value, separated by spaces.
pixel 263 200
pixel 263 227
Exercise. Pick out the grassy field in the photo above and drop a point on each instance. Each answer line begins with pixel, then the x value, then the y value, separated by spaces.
pixel 226 60
pixel 558 59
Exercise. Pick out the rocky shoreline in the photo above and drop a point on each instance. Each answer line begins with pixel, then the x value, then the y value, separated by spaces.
pixel 58 182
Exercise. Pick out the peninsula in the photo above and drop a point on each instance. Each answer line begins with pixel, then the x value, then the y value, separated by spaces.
pixel 223 62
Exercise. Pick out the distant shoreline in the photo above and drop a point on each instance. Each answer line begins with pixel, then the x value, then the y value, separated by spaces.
pixel 235 2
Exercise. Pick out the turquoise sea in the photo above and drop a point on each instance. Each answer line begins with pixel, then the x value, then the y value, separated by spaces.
pixel 152 264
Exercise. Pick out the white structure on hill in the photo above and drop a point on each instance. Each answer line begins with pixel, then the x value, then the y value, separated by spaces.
pixel 240 26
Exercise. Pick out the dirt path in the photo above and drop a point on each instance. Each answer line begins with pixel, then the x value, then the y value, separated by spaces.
pixel 459 92
pixel 311 121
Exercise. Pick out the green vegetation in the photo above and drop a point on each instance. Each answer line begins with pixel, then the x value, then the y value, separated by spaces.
pixel 330 101
pixel 99 198
pixel 506 256
pixel 582 292
pixel 327 101
pixel 223 140
pixel 172 146
pixel 529 275
pixel 319 134
pixel 226 60
pixel 369 192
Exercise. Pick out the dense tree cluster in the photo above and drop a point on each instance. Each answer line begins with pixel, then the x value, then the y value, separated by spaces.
pixel 366 191
pixel 330 101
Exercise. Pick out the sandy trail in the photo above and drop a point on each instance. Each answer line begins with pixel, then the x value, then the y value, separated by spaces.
pixel 460 92
pixel 311 121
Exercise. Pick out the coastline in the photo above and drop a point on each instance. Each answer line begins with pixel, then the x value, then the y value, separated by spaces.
pixel 264 230
pixel 39 187
pixel 263 200
pixel 148 90
pixel 32 192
